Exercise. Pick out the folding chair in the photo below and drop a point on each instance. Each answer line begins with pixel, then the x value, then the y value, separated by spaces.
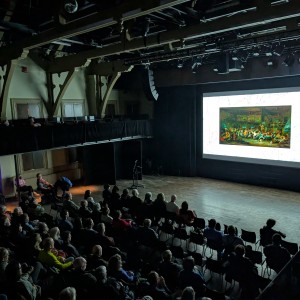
pixel 249 237
pixel 291 247
pixel 182 235
pixel 214 266
pixel 196 239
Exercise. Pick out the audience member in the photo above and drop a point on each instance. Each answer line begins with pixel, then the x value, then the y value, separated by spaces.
pixel 230 240
pixel 214 237
pixel 171 206
pixel 68 293
pixel 276 255
pixel 186 215
pixel 267 232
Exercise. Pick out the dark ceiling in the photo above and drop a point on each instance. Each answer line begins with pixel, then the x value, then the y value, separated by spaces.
pixel 65 34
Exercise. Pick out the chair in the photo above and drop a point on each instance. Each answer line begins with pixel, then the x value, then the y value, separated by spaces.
pixel 199 224
pixel 197 258
pixel 214 266
pixel 196 239
pixel 249 237
pixel 177 252
pixel 291 247
pixel 182 235
pixel 56 206
pixel 168 229
pixel 263 282
pixel 256 257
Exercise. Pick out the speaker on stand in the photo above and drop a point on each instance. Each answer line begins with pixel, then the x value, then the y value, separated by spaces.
pixel 149 85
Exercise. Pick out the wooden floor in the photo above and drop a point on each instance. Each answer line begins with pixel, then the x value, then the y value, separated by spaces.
pixel 245 206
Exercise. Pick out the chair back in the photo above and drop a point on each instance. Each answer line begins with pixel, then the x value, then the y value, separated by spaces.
pixel 248 236
pixel 291 247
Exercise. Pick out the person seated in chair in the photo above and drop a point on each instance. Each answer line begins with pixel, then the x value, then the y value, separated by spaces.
pixel 230 240
pixel 267 232
pixel 64 184
pixel 45 187
pixel 276 255
pixel 214 237
pixel 22 186
pixel 243 270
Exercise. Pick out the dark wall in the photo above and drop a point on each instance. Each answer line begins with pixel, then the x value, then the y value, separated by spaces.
pixel 99 164
pixel 178 137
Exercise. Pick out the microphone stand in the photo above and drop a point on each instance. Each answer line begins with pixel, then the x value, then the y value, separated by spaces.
pixel 135 173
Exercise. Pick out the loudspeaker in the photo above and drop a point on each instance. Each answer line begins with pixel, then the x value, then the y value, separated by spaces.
pixel 149 86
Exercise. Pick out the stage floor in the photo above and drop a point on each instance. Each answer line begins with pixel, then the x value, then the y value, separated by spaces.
pixel 245 206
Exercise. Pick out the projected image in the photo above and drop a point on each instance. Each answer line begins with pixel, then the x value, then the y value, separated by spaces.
pixel 262 126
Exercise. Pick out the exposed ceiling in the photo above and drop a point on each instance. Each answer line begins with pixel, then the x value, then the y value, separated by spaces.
pixel 61 35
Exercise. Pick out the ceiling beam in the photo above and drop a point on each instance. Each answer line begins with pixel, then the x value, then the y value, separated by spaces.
pixel 251 19
pixel 108 68
pixel 129 10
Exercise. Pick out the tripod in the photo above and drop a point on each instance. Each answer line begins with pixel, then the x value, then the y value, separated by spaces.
pixel 136 171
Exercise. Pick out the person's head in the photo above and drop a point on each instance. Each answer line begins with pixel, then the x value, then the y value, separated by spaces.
pixel 87 194
pixel 97 207
pixel 101 228
pixel 115 189
pixel 79 263
pixel 39 175
pixel 212 223
pixel 84 203
pixel 43 227
pixel 68 196
pixel 48 243
pixel 68 293
pixel 54 232
pixel 167 255
pixel 239 250
pixel 184 206
pixel 2 209
pixel 115 263
pixel 231 230
pixel 117 214
pixel 125 192
pixel 101 274
pixel 89 223
pixel 66 236
pixel 135 193
pixel 276 239
pixel 147 223
pixel 173 198
pixel 64 214
pixel 188 293
pixel 37 239
pixel 160 197
pixel 271 223
pixel 4 254
pixel 153 278
pixel 18 211
pixel 97 250
pixel 148 197
pixel 13 271
pixel 188 263
pixel 106 186
pixel 105 210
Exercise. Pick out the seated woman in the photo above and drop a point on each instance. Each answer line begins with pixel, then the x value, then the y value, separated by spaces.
pixel 45 187
pixel 186 216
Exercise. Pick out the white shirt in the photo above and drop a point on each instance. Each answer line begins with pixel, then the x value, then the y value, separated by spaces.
pixel 172 207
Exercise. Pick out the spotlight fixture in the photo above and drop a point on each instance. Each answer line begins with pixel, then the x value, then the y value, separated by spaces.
pixel 71 6
pixel 289 60
pixel 196 64
pixel 270 63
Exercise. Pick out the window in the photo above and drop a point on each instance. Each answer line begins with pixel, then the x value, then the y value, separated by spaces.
pixel 22 109
pixel 33 160
pixel 73 109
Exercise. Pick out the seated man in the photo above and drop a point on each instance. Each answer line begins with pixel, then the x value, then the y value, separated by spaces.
pixel 276 255
pixel 267 232
pixel 64 184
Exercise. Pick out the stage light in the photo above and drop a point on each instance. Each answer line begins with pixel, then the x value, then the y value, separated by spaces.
pixel 179 64
pixel 270 63
pixel 222 64
pixel 71 6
